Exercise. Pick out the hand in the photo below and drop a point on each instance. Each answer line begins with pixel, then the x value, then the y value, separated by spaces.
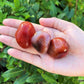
pixel 71 65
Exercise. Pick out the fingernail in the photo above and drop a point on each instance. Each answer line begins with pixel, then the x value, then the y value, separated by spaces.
pixel 5 21
pixel 1 37
pixel 10 50
pixel 41 19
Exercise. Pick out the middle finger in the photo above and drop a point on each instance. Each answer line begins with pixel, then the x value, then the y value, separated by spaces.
pixel 10 31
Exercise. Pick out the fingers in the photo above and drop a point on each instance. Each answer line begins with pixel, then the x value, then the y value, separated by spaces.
pixel 56 23
pixel 15 23
pixel 26 57
pixel 12 22
pixel 12 43
pixel 10 31
pixel 5 30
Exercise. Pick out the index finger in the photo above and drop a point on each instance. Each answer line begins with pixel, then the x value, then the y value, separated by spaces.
pixel 15 23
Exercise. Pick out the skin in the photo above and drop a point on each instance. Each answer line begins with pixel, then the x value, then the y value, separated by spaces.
pixel 71 65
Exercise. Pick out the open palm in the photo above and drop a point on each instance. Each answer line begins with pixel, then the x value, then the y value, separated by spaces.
pixel 71 65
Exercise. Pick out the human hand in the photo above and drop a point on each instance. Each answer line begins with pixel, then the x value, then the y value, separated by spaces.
pixel 71 65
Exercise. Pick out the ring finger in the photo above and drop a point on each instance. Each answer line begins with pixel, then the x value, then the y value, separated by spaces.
pixel 12 42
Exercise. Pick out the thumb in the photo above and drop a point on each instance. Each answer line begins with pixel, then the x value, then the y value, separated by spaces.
pixel 56 23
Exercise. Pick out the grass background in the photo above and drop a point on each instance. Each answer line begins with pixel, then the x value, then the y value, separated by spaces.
pixel 13 71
